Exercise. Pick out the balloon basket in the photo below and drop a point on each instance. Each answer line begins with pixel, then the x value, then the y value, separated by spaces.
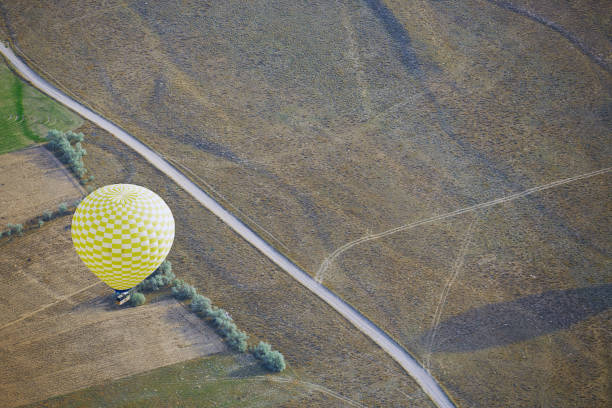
pixel 122 296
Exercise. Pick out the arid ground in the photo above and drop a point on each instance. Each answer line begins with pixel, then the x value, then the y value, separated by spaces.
pixel 61 330
pixel 32 181
pixel 321 123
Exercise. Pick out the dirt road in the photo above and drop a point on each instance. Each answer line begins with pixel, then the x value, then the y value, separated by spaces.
pixel 398 353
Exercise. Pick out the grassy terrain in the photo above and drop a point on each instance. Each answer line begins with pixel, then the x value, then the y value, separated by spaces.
pixel 324 122
pixel 26 114
pixel 320 347
pixel 218 381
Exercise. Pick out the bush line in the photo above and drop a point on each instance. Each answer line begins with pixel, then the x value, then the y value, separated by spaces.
pixel 223 323
pixel 61 144
pixel 39 221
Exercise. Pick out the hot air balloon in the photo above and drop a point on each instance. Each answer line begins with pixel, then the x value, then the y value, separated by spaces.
pixel 122 232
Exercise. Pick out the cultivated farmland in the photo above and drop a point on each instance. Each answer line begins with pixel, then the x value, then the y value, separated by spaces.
pixel 26 114
pixel 61 330
pixel 323 123
pixel 33 181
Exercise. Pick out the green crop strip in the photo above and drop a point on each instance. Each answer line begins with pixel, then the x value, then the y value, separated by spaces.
pixel 20 112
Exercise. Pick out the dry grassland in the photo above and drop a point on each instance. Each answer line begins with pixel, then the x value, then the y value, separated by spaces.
pixel 32 180
pixel 321 348
pixel 486 298
pixel 61 330
pixel 323 121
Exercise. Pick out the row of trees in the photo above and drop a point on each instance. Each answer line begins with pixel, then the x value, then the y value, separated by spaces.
pixel 12 229
pixel 67 147
pixel 225 326
pixel 18 229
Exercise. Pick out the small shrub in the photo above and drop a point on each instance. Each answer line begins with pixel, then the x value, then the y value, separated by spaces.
pixel 274 361
pixel 260 350
pixel 237 340
pixel 137 299
pixel 225 326
pixel 89 189
pixel 218 314
pixel 76 202
pixel 15 229
pixel 165 268
pixel 63 208
pixel 47 215
pixel 200 304
pixel 161 277
pixel 74 137
pixel 182 290
pixel 40 223
pixel 271 359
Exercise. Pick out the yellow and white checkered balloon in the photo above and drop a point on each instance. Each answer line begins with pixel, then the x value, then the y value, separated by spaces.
pixel 123 233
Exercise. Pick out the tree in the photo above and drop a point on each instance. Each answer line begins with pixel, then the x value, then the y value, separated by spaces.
pixel 47 215
pixel 260 350
pixel 15 228
pixel 60 143
pixel 74 137
pixel 200 304
pixel 271 359
pixel 63 208
pixel 237 340
pixel 137 299
pixel 274 361
pixel 165 268
pixel 182 290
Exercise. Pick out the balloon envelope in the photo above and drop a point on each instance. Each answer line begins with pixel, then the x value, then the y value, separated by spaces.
pixel 122 232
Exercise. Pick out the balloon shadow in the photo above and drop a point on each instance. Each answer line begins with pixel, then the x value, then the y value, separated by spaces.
pixel 504 323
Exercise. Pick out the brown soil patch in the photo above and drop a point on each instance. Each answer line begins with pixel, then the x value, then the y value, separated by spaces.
pixel 72 338
pixel 32 180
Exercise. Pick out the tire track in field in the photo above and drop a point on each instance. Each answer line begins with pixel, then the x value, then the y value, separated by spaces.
pixel 320 275
pixel 455 270
pixel 352 54
pixel 59 299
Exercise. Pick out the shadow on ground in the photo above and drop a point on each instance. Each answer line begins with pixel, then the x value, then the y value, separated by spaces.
pixel 521 319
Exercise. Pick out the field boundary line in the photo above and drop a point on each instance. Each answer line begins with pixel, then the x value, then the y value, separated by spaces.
pixel 396 351
pixel 320 275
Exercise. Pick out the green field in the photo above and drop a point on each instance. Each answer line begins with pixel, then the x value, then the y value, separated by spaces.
pixel 26 114
pixel 223 380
